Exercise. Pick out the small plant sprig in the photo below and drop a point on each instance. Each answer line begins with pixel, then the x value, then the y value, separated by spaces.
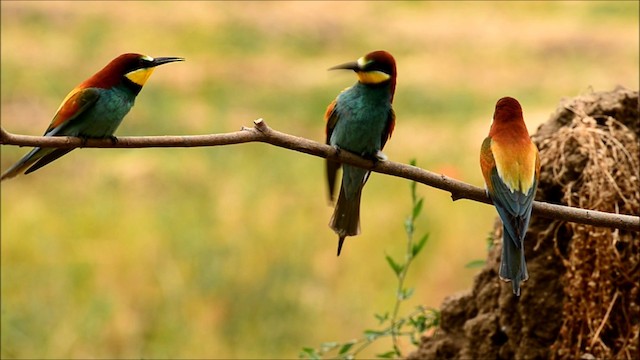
pixel 411 326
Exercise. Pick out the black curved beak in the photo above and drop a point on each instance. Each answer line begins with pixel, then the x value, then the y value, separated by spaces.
pixel 353 65
pixel 165 60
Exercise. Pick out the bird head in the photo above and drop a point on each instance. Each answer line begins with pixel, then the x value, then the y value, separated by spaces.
pixel 507 109
pixel 131 69
pixel 375 68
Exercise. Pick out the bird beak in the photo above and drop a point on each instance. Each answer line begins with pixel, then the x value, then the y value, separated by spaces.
pixel 165 60
pixel 353 65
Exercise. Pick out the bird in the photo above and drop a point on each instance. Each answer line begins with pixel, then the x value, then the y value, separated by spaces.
pixel 95 108
pixel 510 166
pixel 360 120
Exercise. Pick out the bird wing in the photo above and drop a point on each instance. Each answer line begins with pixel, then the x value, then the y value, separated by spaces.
pixel 487 162
pixel 76 102
pixel 388 129
pixel 514 207
pixel 49 156
pixel 331 118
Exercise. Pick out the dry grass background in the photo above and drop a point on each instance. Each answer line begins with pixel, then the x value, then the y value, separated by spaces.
pixel 601 172
pixel 225 252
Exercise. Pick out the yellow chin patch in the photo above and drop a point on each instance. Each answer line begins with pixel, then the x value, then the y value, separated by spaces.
pixel 140 76
pixel 373 77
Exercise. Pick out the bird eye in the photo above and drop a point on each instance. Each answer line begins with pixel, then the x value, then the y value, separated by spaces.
pixel 377 66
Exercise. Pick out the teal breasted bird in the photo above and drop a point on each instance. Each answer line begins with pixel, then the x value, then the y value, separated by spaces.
pixel 95 108
pixel 360 120
pixel 511 165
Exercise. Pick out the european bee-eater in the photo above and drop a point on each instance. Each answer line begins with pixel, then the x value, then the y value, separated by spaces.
pixel 95 108
pixel 511 165
pixel 360 120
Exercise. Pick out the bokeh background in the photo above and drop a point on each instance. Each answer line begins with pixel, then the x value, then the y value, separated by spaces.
pixel 225 252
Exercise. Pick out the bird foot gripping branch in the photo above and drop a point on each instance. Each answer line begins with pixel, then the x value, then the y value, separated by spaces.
pixel 380 156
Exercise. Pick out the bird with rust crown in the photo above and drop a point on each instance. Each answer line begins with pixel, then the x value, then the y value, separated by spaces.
pixel 95 108
pixel 360 120
pixel 511 166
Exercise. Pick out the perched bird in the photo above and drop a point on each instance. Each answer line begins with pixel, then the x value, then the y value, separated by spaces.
pixel 95 108
pixel 511 165
pixel 360 120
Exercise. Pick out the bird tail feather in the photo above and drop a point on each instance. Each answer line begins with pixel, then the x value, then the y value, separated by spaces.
pixel 26 161
pixel 346 216
pixel 47 158
pixel 512 263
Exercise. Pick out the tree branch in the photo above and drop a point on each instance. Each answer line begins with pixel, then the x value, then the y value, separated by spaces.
pixel 263 133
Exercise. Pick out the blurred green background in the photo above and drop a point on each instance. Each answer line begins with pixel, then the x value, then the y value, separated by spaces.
pixel 225 252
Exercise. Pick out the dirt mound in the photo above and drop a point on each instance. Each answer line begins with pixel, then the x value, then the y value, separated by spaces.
pixel 581 300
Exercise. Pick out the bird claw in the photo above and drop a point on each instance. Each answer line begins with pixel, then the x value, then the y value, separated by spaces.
pixel 380 156
pixel 337 149
pixel 114 140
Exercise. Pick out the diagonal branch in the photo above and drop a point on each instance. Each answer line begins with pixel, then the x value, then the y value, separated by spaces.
pixel 261 132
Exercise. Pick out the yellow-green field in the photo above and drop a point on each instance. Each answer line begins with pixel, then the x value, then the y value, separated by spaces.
pixel 225 252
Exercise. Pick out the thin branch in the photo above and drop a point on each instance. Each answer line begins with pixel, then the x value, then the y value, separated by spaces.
pixel 261 132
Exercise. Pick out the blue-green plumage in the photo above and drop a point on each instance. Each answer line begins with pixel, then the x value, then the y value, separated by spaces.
pixel 360 121
pixel 363 112
pixel 102 118
pixel 95 108
pixel 103 115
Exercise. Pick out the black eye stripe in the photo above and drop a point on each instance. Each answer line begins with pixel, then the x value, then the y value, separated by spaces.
pixel 376 66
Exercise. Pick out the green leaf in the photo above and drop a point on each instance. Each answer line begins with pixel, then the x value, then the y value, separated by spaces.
pixel 388 355
pixel 397 268
pixel 475 264
pixel 405 294
pixel 310 353
pixel 419 245
pixel 397 350
pixel 490 241
pixel 371 335
pixel 419 323
pixel 382 318
pixel 346 347
pixel 417 208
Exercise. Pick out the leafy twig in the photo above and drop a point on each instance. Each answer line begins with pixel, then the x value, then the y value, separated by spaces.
pixel 411 326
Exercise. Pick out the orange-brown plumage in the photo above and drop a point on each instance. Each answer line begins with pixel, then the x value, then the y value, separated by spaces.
pixel 112 73
pixel 510 166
